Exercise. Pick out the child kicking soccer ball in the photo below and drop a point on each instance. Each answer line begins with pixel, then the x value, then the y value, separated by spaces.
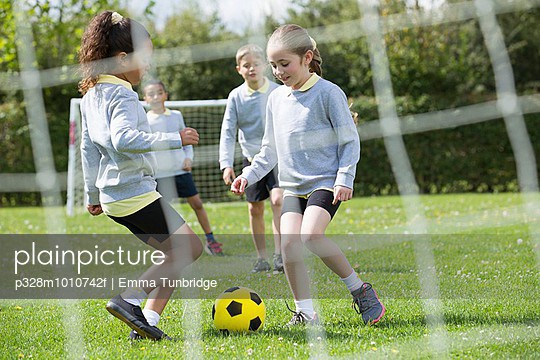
pixel 118 163
pixel 310 134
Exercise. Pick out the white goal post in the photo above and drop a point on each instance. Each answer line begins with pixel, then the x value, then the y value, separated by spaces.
pixel 204 115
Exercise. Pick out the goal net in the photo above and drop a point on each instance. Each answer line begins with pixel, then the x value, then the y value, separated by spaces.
pixel 374 24
pixel 204 115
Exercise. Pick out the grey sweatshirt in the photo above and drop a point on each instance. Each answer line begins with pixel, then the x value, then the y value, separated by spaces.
pixel 244 114
pixel 117 142
pixel 169 163
pixel 312 138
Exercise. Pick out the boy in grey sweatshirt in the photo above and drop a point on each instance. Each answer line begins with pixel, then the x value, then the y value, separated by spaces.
pixel 244 114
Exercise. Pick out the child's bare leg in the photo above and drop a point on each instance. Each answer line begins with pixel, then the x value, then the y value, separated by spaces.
pixel 276 200
pixel 181 250
pixel 197 205
pixel 293 257
pixel 314 225
pixel 256 222
pixel 158 299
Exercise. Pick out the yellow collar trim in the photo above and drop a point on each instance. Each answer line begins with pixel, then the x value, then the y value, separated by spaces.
pixel 263 89
pixel 308 84
pixel 152 114
pixel 111 79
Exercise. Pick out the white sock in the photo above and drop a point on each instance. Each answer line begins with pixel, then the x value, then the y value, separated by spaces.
pixel 306 307
pixel 352 282
pixel 134 296
pixel 151 316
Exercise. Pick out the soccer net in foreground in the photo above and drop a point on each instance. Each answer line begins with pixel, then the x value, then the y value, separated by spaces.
pixel 204 115
pixel 508 106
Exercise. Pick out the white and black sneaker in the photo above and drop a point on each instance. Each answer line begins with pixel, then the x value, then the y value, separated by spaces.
pixel 299 318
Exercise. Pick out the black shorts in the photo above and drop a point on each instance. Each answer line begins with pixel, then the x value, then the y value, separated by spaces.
pixel 321 198
pixel 179 186
pixel 157 220
pixel 261 189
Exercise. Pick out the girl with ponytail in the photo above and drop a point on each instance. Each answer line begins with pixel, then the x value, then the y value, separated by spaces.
pixel 118 164
pixel 312 138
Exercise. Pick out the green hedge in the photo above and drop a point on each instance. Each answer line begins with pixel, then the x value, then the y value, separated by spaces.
pixel 471 158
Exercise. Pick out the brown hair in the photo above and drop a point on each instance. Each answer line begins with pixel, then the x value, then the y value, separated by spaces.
pixel 154 82
pixel 249 49
pixel 105 37
pixel 297 40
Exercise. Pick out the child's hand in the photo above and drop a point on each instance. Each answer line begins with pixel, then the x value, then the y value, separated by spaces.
pixel 94 209
pixel 187 164
pixel 189 136
pixel 341 193
pixel 239 185
pixel 228 175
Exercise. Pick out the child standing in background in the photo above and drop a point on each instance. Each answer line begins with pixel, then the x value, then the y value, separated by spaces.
pixel 173 172
pixel 310 134
pixel 117 156
pixel 244 114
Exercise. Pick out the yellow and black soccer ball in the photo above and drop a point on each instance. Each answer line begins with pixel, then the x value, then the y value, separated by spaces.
pixel 238 309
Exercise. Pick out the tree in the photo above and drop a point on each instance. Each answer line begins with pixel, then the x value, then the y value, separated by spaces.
pixel 431 67
pixel 57 27
pixel 212 79
pixel 522 35
pixel 345 61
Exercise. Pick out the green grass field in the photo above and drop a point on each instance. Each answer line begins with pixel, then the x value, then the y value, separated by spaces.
pixel 485 261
